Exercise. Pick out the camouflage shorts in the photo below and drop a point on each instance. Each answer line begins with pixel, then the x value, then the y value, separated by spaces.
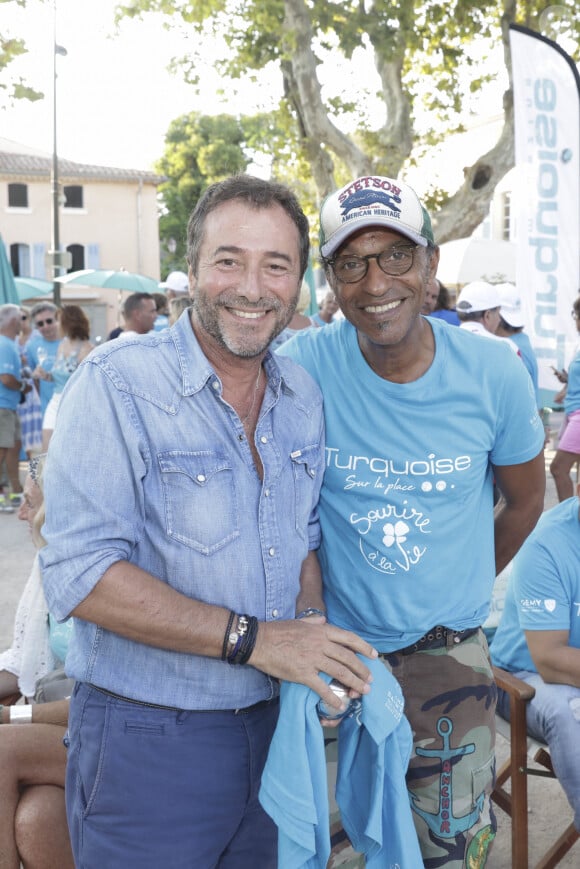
pixel 450 699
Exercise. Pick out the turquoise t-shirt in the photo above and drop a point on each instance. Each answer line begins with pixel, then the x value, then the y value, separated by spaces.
pixel 46 358
pixel 406 508
pixel 9 364
pixel 543 593
pixel 572 400
pixel 59 637
pixel 524 345
pixel 63 369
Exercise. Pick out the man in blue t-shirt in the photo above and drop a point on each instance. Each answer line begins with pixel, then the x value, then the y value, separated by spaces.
pixel 11 389
pixel 538 639
pixel 419 418
pixel 511 325
pixel 42 348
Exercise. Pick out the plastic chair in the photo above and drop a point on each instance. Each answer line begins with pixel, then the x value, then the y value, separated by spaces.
pixel 516 769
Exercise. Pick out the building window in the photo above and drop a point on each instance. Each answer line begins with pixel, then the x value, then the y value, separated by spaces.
pixel 506 217
pixel 18 196
pixel 20 260
pixel 73 196
pixel 77 252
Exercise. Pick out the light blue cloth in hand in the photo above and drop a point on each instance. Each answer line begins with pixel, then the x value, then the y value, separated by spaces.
pixel 374 748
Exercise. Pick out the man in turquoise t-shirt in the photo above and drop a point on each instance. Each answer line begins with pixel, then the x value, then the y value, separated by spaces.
pixel 419 419
pixel 538 639
pixel 11 390
pixel 42 348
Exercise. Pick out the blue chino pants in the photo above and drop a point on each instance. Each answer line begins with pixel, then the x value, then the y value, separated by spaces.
pixel 152 788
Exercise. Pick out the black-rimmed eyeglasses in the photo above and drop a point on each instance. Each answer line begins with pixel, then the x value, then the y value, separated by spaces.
pixel 40 323
pixel 394 261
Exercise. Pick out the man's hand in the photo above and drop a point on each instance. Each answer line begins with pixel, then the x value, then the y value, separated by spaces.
pixel 299 650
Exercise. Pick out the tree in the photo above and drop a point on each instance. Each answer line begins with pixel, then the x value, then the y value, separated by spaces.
pixel 427 56
pixel 199 150
pixel 10 49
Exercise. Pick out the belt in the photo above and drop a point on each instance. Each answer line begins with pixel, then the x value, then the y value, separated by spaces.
pixel 245 710
pixel 437 638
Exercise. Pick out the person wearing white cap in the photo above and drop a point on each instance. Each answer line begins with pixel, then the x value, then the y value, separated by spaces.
pixel 176 284
pixel 478 310
pixel 511 325
pixel 419 417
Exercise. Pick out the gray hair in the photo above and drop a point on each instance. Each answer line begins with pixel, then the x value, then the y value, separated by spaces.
pixel 7 313
pixel 254 192
pixel 43 306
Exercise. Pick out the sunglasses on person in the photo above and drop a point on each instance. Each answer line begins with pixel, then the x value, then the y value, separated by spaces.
pixel 48 322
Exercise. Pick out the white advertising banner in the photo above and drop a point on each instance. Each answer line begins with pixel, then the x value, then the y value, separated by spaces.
pixel 547 202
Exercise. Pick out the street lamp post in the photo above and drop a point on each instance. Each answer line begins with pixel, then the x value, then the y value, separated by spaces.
pixel 55 252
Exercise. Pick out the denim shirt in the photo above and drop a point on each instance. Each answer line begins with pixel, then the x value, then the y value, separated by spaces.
pixel 149 464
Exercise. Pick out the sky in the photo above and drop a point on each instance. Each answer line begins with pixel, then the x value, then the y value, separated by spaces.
pixel 115 96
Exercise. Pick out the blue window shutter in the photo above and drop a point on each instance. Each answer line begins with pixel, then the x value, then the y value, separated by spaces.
pixel 24 259
pixel 38 267
pixel 93 256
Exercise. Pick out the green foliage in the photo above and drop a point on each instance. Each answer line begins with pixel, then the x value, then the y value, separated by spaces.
pixel 410 74
pixel 10 49
pixel 199 150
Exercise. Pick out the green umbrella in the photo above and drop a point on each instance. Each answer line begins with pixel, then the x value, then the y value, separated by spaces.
pixel 31 288
pixel 8 294
pixel 116 280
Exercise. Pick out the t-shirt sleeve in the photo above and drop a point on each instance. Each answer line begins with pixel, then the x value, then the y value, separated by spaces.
pixel 542 600
pixel 519 432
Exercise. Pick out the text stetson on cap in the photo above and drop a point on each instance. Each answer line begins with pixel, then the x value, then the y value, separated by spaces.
pixel 373 201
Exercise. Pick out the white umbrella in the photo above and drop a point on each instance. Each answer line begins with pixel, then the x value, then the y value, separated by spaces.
pixel 109 278
pixel 477 259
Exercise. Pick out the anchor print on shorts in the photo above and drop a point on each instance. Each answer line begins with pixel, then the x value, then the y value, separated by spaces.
pixel 444 823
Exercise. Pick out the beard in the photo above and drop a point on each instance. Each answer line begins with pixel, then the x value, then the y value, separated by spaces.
pixel 242 339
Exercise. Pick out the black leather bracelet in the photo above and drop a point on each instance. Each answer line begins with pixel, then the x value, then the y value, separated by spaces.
pixel 227 635
pixel 249 640
pixel 237 638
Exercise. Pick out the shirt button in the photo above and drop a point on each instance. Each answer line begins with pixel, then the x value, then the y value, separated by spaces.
pixel 271 551
pixel 215 385
pixel 263 439
pixel 267 493
pixel 275 614
pixel 201 478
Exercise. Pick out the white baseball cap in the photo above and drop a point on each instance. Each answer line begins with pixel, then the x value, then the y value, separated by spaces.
pixel 511 305
pixel 176 281
pixel 477 296
pixel 372 201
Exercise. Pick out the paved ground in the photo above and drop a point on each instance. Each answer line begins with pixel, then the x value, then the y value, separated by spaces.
pixel 549 809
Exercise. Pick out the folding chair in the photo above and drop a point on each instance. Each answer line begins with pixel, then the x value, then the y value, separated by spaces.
pixel 516 769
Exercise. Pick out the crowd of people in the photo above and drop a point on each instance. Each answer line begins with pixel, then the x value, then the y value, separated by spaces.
pixel 314 525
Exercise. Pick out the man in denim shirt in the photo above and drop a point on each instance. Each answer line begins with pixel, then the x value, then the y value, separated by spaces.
pixel 190 463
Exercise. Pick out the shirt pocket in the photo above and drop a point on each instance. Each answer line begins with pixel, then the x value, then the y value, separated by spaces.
pixel 305 464
pixel 199 494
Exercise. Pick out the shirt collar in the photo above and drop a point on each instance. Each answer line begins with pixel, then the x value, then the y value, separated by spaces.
pixel 196 369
